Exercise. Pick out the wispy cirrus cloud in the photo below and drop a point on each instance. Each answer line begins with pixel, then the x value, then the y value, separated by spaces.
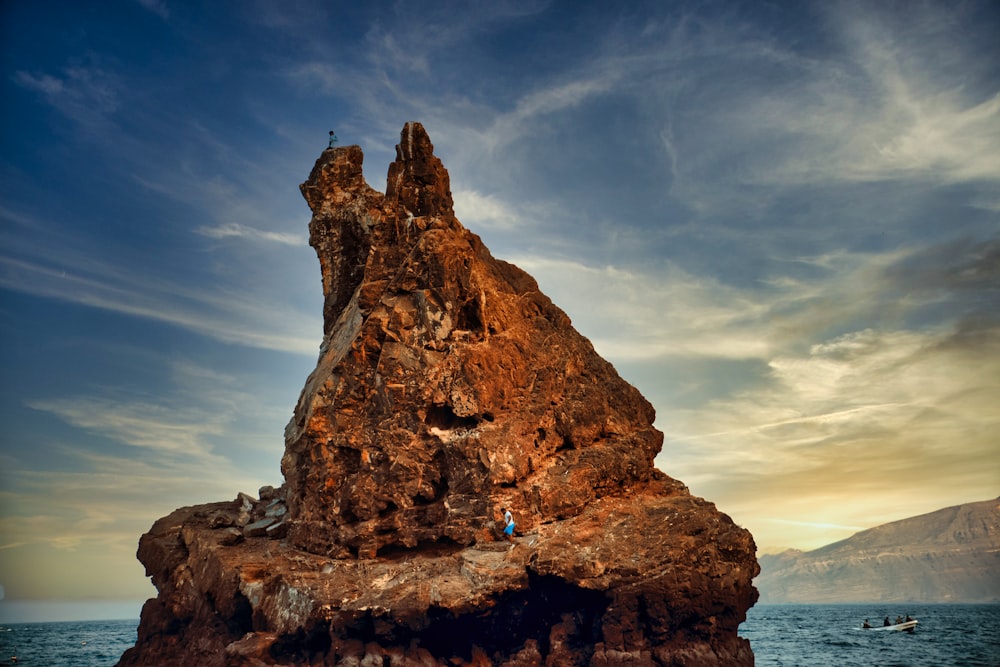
pixel 930 120
pixel 631 314
pixel 491 213
pixel 945 136
pixel 869 418
pixel 661 311
pixel 225 316
pixel 158 7
pixel 87 94
pixel 238 231
pixel 200 440
pixel 881 411
pixel 888 124
pixel 550 98
pixel 872 409
pixel 886 98
pixel 93 511
pixel 152 426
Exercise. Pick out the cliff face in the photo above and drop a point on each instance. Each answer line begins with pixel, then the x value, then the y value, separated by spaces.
pixel 951 555
pixel 447 388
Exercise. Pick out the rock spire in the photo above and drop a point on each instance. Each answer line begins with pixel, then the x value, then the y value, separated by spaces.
pixel 448 384
pixel 448 387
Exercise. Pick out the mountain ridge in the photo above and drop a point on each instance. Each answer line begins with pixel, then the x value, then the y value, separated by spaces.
pixel 948 555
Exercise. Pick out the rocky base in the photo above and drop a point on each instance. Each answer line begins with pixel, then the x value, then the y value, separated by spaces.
pixel 573 592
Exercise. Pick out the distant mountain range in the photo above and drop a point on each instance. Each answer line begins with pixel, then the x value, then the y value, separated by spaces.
pixel 951 555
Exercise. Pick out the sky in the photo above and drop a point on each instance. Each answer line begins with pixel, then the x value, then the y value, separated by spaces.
pixel 779 220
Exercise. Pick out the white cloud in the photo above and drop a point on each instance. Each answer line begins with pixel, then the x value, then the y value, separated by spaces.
pixel 942 136
pixel 238 318
pixel 388 54
pixel 633 314
pixel 164 430
pixel 883 101
pixel 158 7
pixel 95 501
pixel 815 413
pixel 88 95
pixel 485 211
pixel 18 218
pixel 236 230
pixel 310 75
pixel 88 518
pixel 550 98
pixel 869 418
pixel 927 122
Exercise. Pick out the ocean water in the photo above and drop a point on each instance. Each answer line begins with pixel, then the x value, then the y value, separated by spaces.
pixel 68 644
pixel 832 636
pixel 781 636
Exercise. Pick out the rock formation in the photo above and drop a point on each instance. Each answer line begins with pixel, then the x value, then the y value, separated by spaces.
pixel 447 387
pixel 951 555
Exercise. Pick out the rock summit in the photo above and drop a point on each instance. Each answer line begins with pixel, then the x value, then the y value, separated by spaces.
pixel 447 387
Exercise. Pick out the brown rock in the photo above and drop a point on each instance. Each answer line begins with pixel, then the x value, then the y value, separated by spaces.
pixel 258 528
pixel 448 387
pixel 231 536
pixel 277 530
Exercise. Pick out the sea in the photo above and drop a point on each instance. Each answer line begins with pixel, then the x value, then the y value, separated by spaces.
pixel 781 636
pixel 67 644
pixel 947 635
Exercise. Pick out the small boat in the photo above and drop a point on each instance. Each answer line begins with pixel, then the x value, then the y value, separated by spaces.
pixel 905 626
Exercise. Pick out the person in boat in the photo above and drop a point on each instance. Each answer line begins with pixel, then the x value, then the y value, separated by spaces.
pixel 899 619
pixel 908 618
pixel 886 623
pixel 866 624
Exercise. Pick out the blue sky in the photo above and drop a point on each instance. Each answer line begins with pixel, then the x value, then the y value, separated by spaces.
pixel 780 221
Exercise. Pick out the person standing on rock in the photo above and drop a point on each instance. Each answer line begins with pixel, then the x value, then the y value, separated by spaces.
pixel 508 520
pixel 333 139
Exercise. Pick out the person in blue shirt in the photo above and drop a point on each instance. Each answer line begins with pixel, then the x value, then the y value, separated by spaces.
pixel 508 519
pixel 333 139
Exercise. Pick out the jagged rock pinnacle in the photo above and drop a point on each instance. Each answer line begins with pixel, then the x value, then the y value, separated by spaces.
pixel 417 182
pixel 447 387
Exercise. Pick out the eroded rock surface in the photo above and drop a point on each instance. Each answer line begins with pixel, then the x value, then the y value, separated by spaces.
pixel 447 387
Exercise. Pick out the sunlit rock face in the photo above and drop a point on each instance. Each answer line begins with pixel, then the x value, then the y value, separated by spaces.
pixel 448 387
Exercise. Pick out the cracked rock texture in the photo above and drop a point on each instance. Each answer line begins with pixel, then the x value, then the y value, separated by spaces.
pixel 447 387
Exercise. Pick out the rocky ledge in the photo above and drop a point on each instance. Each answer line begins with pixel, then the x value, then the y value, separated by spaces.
pixel 447 387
